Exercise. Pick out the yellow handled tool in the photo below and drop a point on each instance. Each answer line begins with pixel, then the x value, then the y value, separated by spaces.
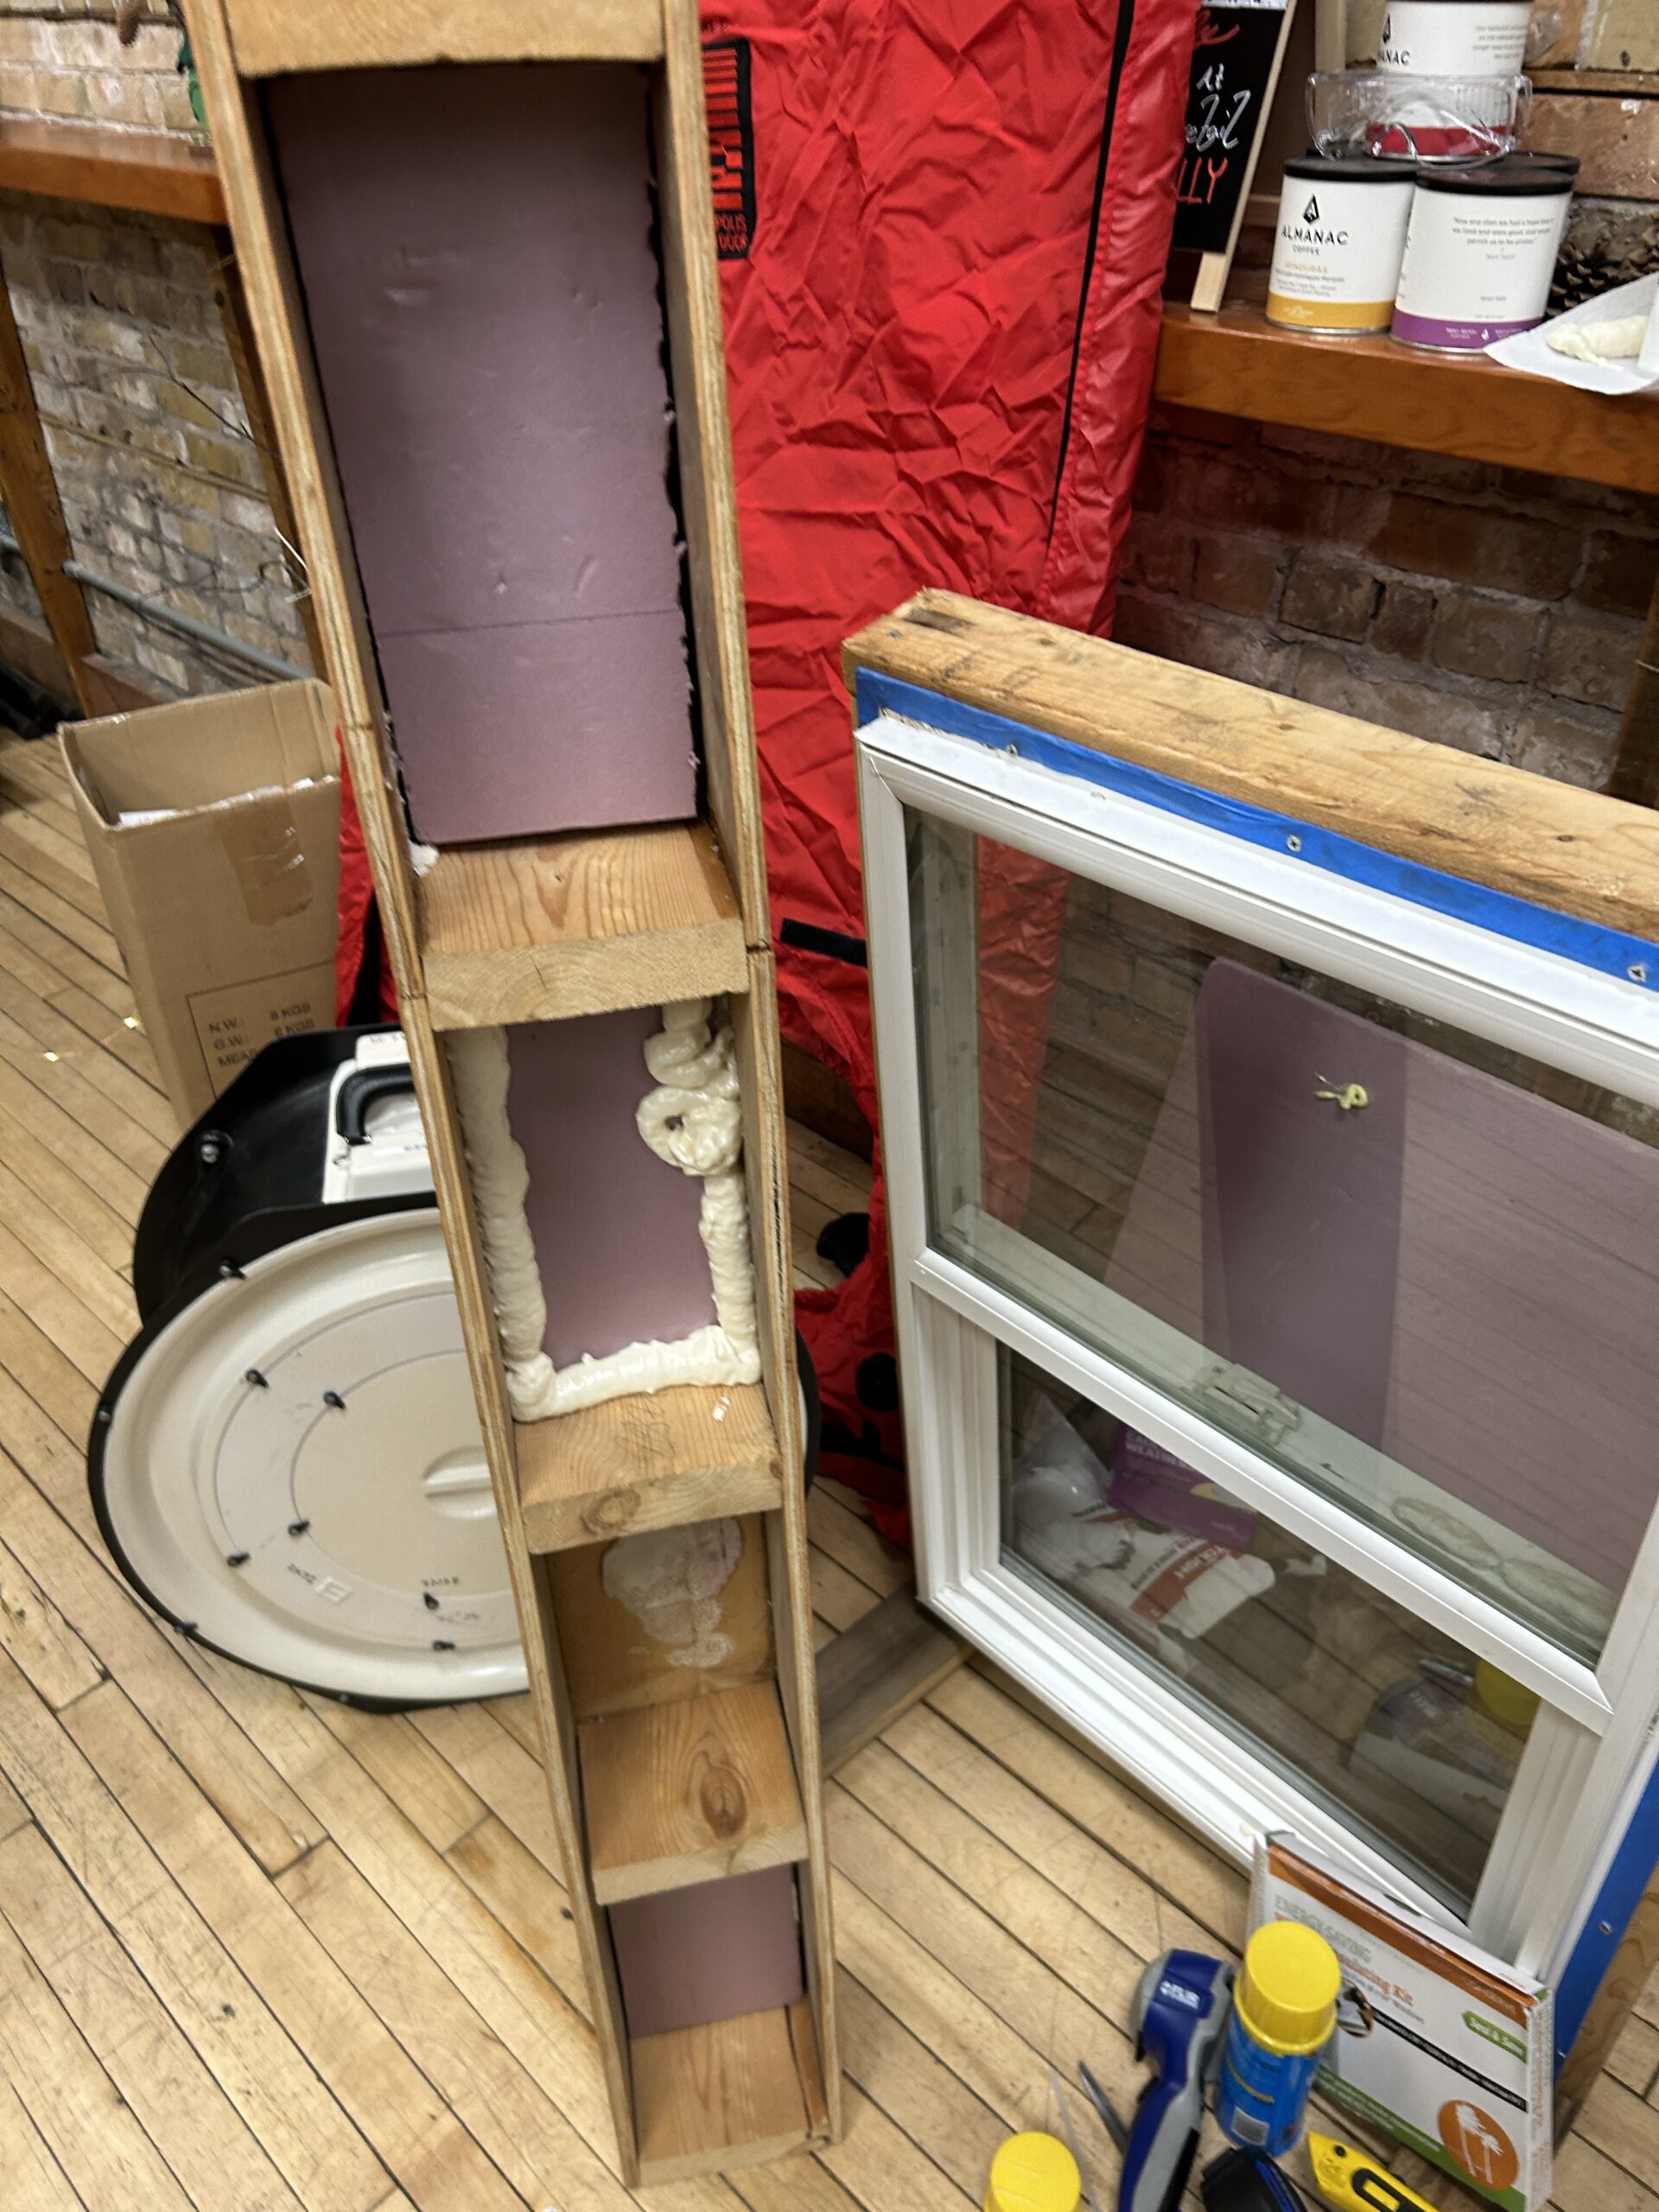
pixel 1351 2180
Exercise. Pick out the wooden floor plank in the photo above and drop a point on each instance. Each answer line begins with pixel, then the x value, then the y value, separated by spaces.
pixel 21 924
pixel 123 1088
pixel 1114 1894
pixel 38 1639
pixel 324 2158
pixel 59 847
pixel 501 1769
pixel 84 1212
pixel 54 1307
pixel 934 2106
pixel 44 1376
pixel 209 2148
pixel 77 2110
pixel 63 1081
pixel 853 1542
pixel 425 1788
pixel 516 1889
pixel 1023 1990
pixel 1174 1860
pixel 376 2082
pixel 35 2181
pixel 48 1238
pixel 519 2127
pixel 258 1806
pixel 23 1099
pixel 1090 1958
pixel 56 897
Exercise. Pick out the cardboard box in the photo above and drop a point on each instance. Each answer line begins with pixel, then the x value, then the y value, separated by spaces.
pixel 213 827
pixel 1440 2044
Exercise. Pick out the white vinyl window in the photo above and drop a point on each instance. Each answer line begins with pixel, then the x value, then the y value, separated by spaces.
pixel 1278 1292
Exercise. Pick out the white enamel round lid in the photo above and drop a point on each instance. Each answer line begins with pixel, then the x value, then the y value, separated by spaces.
pixel 293 1467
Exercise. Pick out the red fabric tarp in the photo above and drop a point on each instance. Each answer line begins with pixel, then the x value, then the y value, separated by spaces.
pixel 940 342
pixel 944 228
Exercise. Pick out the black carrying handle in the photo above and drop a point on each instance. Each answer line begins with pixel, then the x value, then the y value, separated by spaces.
pixel 362 1088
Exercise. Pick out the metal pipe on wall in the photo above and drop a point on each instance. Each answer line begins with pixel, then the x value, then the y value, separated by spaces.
pixel 155 610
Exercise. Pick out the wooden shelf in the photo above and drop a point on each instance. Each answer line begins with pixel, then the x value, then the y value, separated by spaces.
pixel 144 170
pixel 586 923
pixel 278 37
pixel 1236 363
pixel 734 2093
pixel 687 1791
pixel 650 1460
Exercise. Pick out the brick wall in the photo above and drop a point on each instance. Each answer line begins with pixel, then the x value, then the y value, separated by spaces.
pixel 159 482
pixel 1488 608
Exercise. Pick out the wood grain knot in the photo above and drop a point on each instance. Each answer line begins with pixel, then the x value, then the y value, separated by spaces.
pixel 612 1512
pixel 724 1802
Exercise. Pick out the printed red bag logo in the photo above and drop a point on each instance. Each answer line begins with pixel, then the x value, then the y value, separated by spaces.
pixel 731 144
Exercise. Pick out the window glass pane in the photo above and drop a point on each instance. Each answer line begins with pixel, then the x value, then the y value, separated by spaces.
pixel 1402 1731
pixel 1416 1270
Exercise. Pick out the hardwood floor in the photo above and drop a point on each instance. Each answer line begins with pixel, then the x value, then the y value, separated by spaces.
pixel 258 1954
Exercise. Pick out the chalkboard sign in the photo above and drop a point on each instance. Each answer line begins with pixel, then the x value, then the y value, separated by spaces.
pixel 1235 67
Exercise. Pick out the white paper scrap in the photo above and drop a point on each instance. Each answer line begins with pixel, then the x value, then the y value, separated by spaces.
pixel 1532 351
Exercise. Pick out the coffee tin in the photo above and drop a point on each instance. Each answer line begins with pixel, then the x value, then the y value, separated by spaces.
pixel 1454 38
pixel 1337 247
pixel 1480 251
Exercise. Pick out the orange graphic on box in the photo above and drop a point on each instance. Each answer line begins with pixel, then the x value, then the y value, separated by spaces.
pixel 1478 2144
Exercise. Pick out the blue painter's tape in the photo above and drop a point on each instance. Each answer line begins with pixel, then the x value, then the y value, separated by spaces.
pixel 1610 952
pixel 1621 1892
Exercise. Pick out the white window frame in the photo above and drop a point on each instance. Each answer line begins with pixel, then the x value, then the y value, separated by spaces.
pixel 1590 1747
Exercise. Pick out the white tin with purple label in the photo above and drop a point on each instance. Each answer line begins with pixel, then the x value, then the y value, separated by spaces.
pixel 1480 251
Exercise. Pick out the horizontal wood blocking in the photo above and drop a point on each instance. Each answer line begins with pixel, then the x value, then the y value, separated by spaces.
pixel 1239 363
pixel 689 1791
pixel 583 924
pixel 148 172
pixel 273 38
pixel 733 2093
pixel 1552 843
pixel 649 1460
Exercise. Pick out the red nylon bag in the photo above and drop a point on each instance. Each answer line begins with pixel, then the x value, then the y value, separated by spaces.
pixel 943 230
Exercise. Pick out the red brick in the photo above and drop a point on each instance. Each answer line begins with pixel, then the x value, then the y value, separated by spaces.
pixel 1158 554
pixel 1445 717
pixel 1330 597
pixel 1620 573
pixel 1237 574
pixel 1266 499
pixel 1200 640
pixel 1477 545
pixel 1403 621
pixel 1591 660
pixel 1487 637
pixel 1573 746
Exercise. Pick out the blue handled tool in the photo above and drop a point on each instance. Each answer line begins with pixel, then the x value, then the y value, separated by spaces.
pixel 1179 2017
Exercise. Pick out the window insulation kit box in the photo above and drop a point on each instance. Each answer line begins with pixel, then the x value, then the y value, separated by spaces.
pixel 1437 2044
pixel 214 828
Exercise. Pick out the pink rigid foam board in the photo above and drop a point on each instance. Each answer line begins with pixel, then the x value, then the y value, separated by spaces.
pixel 616 1231
pixel 709 1953
pixel 476 249
pixel 1460 1273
